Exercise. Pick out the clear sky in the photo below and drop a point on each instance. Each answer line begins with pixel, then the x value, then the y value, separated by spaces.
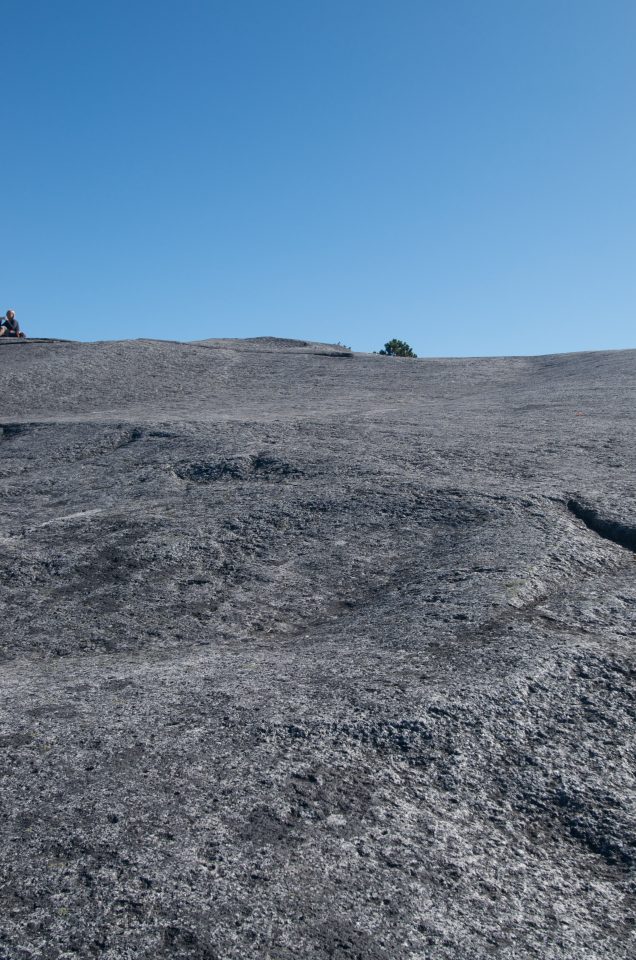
pixel 460 174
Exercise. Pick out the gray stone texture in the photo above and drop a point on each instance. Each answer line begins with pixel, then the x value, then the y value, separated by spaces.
pixel 311 655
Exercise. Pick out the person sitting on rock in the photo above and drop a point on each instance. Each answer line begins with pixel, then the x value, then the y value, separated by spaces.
pixel 9 326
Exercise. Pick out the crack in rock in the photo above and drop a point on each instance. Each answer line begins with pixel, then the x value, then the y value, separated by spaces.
pixel 623 534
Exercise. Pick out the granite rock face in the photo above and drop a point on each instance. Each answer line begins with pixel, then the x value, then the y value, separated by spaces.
pixel 311 655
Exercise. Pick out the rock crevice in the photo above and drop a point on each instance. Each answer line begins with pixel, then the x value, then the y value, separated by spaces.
pixel 623 534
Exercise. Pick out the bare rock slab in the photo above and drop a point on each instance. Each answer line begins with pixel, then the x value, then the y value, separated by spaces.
pixel 304 658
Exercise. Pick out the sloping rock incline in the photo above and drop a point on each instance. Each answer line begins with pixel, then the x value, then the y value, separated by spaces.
pixel 304 658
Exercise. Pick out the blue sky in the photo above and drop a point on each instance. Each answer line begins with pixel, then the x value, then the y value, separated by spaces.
pixel 458 174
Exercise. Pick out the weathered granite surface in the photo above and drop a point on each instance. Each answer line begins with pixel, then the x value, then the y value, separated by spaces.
pixel 307 655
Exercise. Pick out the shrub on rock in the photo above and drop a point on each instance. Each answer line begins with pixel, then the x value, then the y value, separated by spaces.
pixel 397 348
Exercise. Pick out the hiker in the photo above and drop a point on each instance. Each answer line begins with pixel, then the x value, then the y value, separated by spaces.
pixel 9 326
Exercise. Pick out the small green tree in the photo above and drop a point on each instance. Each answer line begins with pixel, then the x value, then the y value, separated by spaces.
pixel 397 348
